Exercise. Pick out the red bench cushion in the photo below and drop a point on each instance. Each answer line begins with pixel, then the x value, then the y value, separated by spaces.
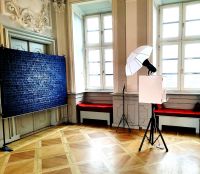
pixel 95 107
pixel 177 112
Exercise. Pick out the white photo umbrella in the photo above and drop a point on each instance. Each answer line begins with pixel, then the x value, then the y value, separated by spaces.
pixel 136 59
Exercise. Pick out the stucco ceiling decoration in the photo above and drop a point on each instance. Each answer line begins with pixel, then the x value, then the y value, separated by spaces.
pixel 30 14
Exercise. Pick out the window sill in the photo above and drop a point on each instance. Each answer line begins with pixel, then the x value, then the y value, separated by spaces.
pixel 99 90
pixel 183 92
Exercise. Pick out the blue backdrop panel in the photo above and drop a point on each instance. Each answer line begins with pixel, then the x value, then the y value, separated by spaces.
pixel 31 81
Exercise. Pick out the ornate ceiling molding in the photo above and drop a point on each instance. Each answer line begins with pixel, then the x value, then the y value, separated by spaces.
pixel 26 16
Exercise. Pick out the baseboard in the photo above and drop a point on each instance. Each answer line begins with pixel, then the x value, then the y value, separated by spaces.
pixel 14 138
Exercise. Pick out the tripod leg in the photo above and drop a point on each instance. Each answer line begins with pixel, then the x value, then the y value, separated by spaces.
pixel 120 122
pixel 153 123
pixel 145 134
pixel 151 137
pixel 153 129
pixel 125 119
pixel 162 138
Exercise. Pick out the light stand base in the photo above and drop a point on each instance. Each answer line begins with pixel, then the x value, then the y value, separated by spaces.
pixel 6 149
pixel 123 120
pixel 154 127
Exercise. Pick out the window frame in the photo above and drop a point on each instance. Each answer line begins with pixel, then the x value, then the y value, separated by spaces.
pixel 181 40
pixel 101 46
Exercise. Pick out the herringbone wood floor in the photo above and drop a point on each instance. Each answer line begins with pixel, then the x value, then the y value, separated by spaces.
pixel 89 150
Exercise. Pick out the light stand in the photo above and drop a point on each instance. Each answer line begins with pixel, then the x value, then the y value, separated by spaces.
pixel 123 119
pixel 4 148
pixel 150 91
pixel 154 127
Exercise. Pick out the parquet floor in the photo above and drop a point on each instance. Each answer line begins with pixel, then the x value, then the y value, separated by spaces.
pixel 78 149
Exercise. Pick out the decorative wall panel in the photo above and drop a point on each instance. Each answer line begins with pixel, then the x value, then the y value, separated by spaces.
pixel 144 115
pixel 32 14
pixel 130 107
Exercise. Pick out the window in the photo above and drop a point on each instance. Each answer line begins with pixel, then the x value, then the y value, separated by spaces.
pixel 26 45
pixel 179 46
pixel 99 52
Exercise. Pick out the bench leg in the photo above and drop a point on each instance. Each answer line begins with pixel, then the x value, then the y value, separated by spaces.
pixel 111 118
pixel 198 129
pixel 78 115
pixel 81 120
pixel 160 123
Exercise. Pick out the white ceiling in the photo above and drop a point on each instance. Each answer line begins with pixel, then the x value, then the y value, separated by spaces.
pixel 94 6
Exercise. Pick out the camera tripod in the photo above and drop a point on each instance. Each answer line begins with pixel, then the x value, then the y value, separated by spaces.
pixel 123 119
pixel 153 128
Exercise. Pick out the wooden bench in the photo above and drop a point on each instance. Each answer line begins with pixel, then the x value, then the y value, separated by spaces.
pixel 178 117
pixel 95 111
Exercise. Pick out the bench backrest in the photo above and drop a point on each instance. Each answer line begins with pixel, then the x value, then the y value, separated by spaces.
pixel 182 101
pixel 98 97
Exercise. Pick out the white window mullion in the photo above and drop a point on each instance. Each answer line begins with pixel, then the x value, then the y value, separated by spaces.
pixel 102 62
pixel 102 71
pixel 181 62
pixel 180 68
pixel 181 23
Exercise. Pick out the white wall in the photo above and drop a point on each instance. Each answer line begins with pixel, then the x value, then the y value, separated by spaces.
pixel 136 35
pixel 78 52
pixel 155 35
pixel 131 38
